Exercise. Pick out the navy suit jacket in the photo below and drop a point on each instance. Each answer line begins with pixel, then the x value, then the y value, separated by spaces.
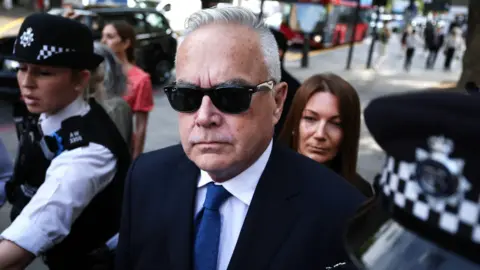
pixel 295 221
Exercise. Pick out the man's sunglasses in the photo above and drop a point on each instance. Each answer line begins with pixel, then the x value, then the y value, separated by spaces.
pixel 232 99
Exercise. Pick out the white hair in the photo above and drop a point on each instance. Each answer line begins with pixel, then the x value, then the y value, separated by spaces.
pixel 241 16
pixel 114 78
pixel 108 80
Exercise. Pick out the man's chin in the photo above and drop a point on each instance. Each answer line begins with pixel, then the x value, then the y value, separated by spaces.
pixel 211 162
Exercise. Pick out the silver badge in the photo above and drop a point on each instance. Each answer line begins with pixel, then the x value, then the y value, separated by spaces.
pixel 440 176
pixel 27 37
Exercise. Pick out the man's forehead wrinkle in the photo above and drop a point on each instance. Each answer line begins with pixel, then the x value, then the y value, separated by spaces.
pixel 214 55
pixel 239 33
pixel 227 27
pixel 237 38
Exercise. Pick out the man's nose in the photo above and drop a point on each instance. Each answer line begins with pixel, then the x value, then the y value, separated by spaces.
pixel 207 114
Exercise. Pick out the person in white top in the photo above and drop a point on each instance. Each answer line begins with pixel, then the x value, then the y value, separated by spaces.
pixel 67 187
pixel 454 47
pixel 410 41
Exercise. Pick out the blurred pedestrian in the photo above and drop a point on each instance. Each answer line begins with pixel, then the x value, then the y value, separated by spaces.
pixel 120 37
pixel 382 47
pixel 454 47
pixel 66 191
pixel 324 125
pixel 410 41
pixel 433 45
pixel 293 84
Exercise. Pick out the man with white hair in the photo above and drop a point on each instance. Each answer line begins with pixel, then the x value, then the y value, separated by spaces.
pixel 228 196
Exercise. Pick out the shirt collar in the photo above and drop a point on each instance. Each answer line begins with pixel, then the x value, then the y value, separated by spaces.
pixel 53 122
pixel 243 185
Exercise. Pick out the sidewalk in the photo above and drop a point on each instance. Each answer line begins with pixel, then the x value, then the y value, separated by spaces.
pixel 10 20
pixel 391 70
pixel 15 12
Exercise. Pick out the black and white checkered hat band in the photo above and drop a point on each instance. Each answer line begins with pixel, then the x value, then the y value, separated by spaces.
pixel 47 51
pixel 458 214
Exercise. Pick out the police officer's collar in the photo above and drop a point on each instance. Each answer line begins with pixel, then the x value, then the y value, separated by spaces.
pixel 50 123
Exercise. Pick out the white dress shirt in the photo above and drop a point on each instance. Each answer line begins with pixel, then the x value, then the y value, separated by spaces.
pixel 235 208
pixel 72 180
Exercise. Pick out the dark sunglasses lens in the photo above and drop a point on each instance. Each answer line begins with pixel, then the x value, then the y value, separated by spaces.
pixel 231 100
pixel 184 99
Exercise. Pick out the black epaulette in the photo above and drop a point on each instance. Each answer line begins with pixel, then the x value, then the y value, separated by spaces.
pixel 74 133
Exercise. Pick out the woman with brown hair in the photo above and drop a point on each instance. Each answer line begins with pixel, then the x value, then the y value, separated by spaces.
pixel 120 37
pixel 324 125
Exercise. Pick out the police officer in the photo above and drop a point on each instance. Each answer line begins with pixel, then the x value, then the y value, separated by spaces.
pixel 67 186
pixel 427 212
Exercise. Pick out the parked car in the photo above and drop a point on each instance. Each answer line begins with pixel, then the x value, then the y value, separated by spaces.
pixel 8 79
pixel 155 50
pixel 156 42
pixel 9 90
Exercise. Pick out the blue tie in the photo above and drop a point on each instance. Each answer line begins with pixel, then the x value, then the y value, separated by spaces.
pixel 208 228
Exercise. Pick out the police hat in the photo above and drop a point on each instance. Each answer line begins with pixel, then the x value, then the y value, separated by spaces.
pixel 51 40
pixel 426 214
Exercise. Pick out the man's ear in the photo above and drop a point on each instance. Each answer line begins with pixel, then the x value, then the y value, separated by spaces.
pixel 280 95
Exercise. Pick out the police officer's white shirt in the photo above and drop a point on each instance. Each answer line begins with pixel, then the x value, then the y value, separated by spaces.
pixel 72 180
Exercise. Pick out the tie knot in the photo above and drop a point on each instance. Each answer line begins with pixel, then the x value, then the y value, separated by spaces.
pixel 216 196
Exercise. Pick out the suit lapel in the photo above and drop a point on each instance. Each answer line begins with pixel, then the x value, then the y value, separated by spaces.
pixel 181 203
pixel 270 217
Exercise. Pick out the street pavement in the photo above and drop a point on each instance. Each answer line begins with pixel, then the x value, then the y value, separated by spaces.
pixel 388 79
pixel 10 20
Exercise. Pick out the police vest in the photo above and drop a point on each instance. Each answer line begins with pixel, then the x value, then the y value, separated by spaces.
pixel 100 220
